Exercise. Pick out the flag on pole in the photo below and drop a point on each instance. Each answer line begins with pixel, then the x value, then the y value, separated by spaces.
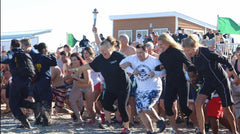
pixel 71 40
pixel 228 26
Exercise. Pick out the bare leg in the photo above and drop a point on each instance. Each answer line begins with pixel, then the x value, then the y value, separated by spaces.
pixel 74 96
pixel 107 115
pixel 229 115
pixel 162 108
pixel 90 105
pixel 214 124
pixel 173 123
pixel 133 111
pixel 199 112
pixel 146 121
pixel 225 123
pixel 153 114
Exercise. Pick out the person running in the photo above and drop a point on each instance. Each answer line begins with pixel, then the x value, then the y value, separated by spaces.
pixel 215 78
pixel 42 92
pixel 82 85
pixel 173 58
pixel 59 90
pixel 117 81
pixel 149 85
pixel 19 88
pixel 89 56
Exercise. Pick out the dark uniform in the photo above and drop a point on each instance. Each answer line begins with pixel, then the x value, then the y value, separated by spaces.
pixel 42 92
pixel 214 76
pixel 19 88
pixel 176 83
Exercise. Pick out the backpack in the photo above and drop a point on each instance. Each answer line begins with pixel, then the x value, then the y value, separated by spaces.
pixel 24 64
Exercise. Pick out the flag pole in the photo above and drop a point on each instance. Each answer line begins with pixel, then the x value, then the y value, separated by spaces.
pixel 66 38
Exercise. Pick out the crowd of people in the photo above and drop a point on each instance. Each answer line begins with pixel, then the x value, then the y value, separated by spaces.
pixel 166 78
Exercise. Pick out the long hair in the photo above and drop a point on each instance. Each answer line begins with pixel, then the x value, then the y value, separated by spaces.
pixel 166 38
pixel 78 56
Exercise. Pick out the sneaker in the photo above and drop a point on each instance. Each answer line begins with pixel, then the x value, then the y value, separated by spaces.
pixel 31 117
pixel 105 125
pixel 149 132
pixel 207 126
pixel 161 125
pixel 131 125
pixel 173 132
pixel 74 117
pixel 197 130
pixel 126 131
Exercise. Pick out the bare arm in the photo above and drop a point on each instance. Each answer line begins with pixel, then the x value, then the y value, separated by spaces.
pixel 96 36
pixel 81 69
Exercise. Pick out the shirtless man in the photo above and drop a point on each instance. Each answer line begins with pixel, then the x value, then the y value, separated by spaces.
pixel 126 49
pixel 59 90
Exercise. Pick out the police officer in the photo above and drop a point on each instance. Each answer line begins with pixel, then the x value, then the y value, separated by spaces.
pixel 19 87
pixel 42 87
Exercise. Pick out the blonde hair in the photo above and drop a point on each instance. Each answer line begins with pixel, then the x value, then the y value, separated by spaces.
pixel 166 38
pixel 190 41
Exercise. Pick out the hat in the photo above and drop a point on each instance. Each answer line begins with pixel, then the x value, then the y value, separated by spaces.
pixel 84 36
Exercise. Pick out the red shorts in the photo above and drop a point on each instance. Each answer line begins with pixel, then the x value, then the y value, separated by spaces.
pixel 97 86
pixel 214 107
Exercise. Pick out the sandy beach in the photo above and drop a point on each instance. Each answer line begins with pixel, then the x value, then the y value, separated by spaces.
pixel 63 124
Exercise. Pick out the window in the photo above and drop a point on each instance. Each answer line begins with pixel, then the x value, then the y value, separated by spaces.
pixel 127 32
pixel 160 30
pixel 142 32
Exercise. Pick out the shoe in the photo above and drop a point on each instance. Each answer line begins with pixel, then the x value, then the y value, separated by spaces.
pixel 197 130
pixel 131 125
pixel 74 117
pixel 78 123
pixel 149 132
pixel 105 125
pixel 31 117
pixel 126 131
pixel 161 125
pixel 173 132
pixel 179 120
pixel 24 123
pixel 207 126
pixel 46 117
pixel 38 121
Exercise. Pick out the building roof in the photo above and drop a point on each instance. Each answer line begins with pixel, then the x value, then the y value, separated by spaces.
pixel 23 34
pixel 162 14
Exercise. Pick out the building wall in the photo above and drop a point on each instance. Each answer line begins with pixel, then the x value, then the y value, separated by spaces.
pixel 184 24
pixel 139 24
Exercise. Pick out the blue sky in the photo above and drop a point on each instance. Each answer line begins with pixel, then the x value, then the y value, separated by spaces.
pixel 75 16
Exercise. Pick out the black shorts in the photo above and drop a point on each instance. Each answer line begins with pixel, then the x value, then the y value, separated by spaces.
pixel 223 89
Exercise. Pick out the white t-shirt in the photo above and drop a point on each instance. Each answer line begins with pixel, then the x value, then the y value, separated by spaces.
pixel 144 81
pixel 139 40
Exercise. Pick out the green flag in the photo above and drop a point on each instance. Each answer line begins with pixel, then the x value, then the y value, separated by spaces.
pixel 71 40
pixel 228 26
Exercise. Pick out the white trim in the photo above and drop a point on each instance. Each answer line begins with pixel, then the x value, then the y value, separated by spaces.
pixel 176 24
pixel 159 29
pixel 162 14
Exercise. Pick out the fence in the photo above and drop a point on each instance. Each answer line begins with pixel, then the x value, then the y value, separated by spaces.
pixel 227 49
